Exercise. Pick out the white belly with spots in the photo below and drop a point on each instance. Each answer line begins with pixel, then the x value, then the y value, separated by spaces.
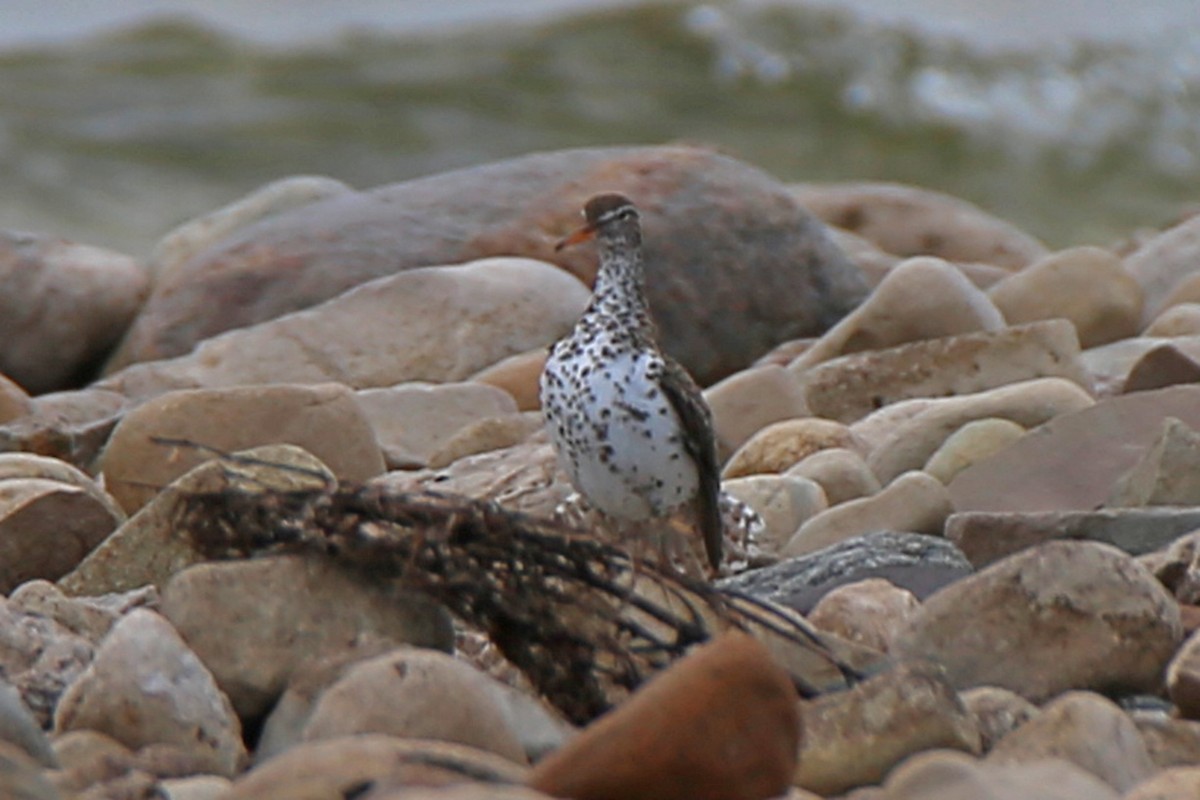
pixel 617 435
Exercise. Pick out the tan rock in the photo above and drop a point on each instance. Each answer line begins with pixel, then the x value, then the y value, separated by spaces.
pixel 414 420
pixel 721 723
pixel 64 306
pixel 909 221
pixel 254 622
pixel 943 775
pixel 1066 466
pixel 747 226
pixel 784 503
pixel 518 375
pixel 1183 678
pixel 997 712
pixel 146 687
pixel 914 502
pixel 14 401
pixel 1111 364
pixel 1057 616
pixel 89 617
pixel 1182 319
pixel 198 787
pixel 781 444
pixel 873 262
pixel 921 298
pixel 324 769
pixel 486 435
pixel 72 426
pixel 1171 742
pixel 1167 474
pixel 867 612
pixel 1087 729
pixel 325 420
pixel 149 547
pixel 87 757
pixel 415 694
pixel 1086 285
pixel 855 737
pixel 972 442
pixel 1160 367
pixel 851 387
pixel 1161 264
pixel 842 473
pixel 432 324
pixel 750 400
pixel 1179 783
pixel 1030 403
pixel 21 778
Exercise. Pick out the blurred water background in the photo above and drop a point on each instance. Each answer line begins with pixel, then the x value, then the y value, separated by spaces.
pixel 1077 119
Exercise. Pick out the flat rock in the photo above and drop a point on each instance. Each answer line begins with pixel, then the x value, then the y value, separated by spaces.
pixel 150 547
pixel 988 536
pixel 721 722
pixel 781 444
pixel 972 442
pixel 943 775
pixel 412 421
pixel 1086 285
pixel 851 387
pixel 1058 616
pixel 415 694
pixel 916 563
pixel 855 737
pixel 842 473
pixel 434 324
pixel 254 622
pixel 65 305
pixel 1177 320
pixel 867 612
pixel 910 444
pixel 750 400
pixel 1163 262
pixel 997 712
pixel 47 526
pixel 1180 783
pixel 1167 474
pixel 146 687
pixel 784 503
pixel 1086 729
pixel 747 225
pixel 333 767
pixel 909 221
pixel 921 298
pixel 915 502
pixel 1064 465
pixel 326 420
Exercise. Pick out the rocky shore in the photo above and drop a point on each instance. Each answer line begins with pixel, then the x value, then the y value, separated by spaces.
pixel 278 518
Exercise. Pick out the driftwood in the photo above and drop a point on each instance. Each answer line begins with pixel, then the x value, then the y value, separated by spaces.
pixel 584 620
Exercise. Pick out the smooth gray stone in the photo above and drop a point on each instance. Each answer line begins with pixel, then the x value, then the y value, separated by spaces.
pixel 919 563
pixel 987 536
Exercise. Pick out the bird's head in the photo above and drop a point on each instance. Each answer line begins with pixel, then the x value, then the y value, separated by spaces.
pixel 603 214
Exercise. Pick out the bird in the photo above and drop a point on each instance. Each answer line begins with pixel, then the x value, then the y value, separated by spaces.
pixel 629 425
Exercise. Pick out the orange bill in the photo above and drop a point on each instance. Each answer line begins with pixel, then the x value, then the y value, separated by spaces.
pixel 581 235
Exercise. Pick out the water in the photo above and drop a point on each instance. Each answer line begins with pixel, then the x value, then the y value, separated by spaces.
pixel 119 120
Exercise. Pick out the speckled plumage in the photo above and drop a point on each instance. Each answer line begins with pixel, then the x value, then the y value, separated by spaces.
pixel 630 427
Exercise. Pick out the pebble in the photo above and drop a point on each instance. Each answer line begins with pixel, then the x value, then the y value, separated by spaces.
pixel 855 737
pixel 21 778
pixel 72 426
pixel 412 421
pixel 779 445
pixel 1180 783
pixel 783 501
pixel 1162 263
pixel 326 420
pixel 997 712
pixel 915 502
pixel 842 473
pixel 867 612
pixel 908 221
pixel 1170 742
pixel 1058 616
pixel 1183 678
pixel 1086 285
pixel 750 400
pixel 849 388
pixel 1087 729
pixel 1161 366
pixel 972 442
pixel 1177 320
pixel 1111 365
pixel 14 401
pixel 1167 474
pixel 916 563
pixel 518 375
pixel 145 686
pixel 945 775
pixel 254 623
pixel 65 306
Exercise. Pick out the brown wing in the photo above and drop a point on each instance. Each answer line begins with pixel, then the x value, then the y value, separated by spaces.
pixel 701 444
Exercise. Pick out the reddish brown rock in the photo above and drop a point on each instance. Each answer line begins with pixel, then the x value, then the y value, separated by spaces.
pixel 1163 366
pixel 721 724
pixel 769 270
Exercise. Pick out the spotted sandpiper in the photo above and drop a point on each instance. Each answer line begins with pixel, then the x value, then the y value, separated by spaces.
pixel 629 424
